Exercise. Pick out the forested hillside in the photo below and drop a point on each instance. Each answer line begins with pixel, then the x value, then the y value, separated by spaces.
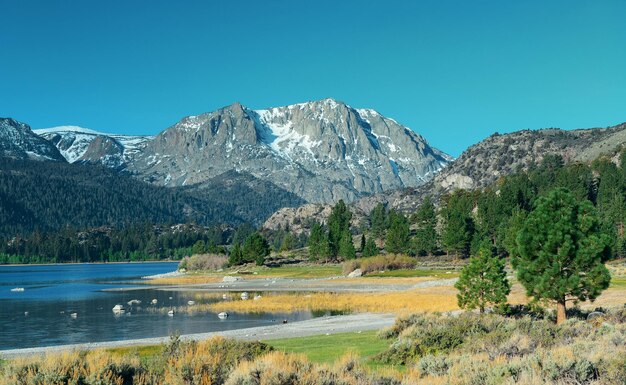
pixel 133 242
pixel 49 196
pixel 465 219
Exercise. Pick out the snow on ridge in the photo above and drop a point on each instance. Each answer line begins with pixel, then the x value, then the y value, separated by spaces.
pixel 88 131
pixel 282 138
pixel 59 129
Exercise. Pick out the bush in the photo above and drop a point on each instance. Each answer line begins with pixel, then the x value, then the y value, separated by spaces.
pixel 433 365
pixel 203 262
pixel 380 263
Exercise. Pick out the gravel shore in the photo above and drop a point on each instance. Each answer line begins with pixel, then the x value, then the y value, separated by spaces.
pixel 315 326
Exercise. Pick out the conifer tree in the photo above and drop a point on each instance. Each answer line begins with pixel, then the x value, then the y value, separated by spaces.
pixel 318 243
pixel 483 281
pixel 398 234
pixel 236 255
pixel 255 249
pixel 346 246
pixel 426 238
pixel 370 249
pixel 338 223
pixel 378 221
pixel 561 251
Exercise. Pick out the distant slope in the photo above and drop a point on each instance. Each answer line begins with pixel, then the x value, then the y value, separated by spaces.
pixel 53 195
pixel 78 144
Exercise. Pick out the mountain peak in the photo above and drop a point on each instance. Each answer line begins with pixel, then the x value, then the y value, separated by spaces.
pixel 322 150
pixel 17 140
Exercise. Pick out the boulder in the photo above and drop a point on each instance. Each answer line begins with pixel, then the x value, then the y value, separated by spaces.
pixel 355 273
pixel 594 315
pixel 229 278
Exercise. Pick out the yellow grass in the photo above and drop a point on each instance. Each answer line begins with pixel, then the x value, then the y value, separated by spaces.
pixel 436 299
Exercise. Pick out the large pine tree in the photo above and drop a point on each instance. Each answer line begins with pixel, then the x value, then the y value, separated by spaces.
pixel 561 251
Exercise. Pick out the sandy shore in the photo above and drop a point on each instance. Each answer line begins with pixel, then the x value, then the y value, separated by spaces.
pixel 316 326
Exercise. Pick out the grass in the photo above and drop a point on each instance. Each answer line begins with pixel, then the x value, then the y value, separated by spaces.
pixel 144 352
pixel 618 282
pixel 302 272
pixel 406 273
pixel 329 348
pixel 433 299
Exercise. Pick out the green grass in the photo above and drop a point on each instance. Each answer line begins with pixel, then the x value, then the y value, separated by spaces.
pixel 618 282
pixel 315 271
pixel 320 348
pixel 144 352
pixel 327 349
pixel 404 273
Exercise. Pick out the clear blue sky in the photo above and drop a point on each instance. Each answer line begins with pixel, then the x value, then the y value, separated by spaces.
pixel 454 71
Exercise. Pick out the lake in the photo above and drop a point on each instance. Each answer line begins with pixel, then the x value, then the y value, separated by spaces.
pixel 41 314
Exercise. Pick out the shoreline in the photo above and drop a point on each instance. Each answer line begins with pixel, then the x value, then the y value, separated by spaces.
pixel 315 326
pixel 83 263
pixel 353 285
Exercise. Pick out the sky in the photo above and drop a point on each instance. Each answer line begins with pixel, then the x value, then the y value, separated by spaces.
pixel 453 71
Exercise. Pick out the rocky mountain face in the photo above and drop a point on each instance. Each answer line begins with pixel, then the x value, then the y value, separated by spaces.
pixel 18 141
pixel 82 145
pixel 500 155
pixel 322 151
pixel 478 167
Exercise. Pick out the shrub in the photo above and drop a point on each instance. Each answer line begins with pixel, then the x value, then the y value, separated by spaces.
pixel 380 263
pixel 433 365
pixel 203 262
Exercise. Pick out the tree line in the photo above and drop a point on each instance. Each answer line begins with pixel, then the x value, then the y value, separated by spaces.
pixel 465 219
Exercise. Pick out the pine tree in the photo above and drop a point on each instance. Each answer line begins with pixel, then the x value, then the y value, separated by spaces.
pixel 426 238
pixel 458 225
pixel 255 249
pixel 236 255
pixel 379 221
pixel 288 242
pixel 338 223
pixel 318 243
pixel 346 246
pixel 483 281
pixel 398 234
pixel 362 245
pixel 561 251
pixel 370 249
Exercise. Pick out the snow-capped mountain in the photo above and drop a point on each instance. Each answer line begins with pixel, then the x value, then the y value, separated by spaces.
pixel 78 144
pixel 322 151
pixel 17 140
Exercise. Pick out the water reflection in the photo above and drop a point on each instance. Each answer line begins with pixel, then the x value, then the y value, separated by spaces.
pixel 41 315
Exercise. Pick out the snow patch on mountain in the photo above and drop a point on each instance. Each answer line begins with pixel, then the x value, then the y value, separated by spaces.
pixel 77 144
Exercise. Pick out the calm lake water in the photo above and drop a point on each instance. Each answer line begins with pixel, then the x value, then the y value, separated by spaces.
pixel 40 315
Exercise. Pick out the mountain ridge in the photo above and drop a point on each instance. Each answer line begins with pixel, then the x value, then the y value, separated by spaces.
pixel 322 151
